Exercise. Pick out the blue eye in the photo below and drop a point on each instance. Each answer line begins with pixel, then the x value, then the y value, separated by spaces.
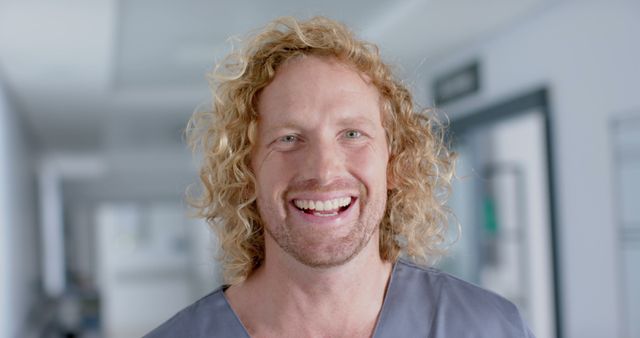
pixel 288 139
pixel 353 134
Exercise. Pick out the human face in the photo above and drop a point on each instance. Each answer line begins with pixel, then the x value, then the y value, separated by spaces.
pixel 320 162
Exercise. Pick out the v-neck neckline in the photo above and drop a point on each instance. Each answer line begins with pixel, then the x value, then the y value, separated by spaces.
pixel 381 315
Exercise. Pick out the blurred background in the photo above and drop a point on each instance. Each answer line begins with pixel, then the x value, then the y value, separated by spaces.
pixel 544 108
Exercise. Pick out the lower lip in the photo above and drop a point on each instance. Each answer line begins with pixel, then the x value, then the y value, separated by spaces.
pixel 311 218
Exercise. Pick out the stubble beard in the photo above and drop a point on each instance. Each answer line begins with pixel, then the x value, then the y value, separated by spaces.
pixel 328 252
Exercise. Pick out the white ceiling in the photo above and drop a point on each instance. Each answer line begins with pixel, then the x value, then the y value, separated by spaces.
pixel 110 75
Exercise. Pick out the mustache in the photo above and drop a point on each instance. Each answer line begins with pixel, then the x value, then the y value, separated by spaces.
pixel 315 185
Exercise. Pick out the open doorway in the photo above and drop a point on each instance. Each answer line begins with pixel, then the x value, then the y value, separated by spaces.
pixel 504 201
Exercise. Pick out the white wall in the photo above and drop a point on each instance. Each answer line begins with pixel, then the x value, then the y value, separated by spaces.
pixel 149 264
pixel 18 237
pixel 588 54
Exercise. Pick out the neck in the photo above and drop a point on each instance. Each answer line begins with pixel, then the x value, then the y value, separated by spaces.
pixel 344 300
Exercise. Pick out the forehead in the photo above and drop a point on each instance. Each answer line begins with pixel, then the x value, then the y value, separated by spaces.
pixel 316 86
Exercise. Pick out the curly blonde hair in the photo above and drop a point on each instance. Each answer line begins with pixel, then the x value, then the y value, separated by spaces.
pixel 420 165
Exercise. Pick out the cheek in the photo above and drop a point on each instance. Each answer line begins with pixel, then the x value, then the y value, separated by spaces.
pixel 272 174
pixel 370 164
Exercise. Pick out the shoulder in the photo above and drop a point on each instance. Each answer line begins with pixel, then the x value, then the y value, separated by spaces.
pixel 449 300
pixel 450 289
pixel 208 315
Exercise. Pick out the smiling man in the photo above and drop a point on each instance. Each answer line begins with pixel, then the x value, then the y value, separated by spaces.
pixel 318 176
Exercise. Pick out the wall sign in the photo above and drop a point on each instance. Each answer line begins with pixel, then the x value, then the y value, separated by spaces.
pixel 457 84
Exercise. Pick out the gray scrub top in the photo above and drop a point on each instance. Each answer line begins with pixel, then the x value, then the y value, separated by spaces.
pixel 420 302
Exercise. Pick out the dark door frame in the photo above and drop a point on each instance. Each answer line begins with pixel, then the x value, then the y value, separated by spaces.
pixel 518 105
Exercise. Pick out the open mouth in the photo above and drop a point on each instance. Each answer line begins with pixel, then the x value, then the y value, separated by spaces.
pixel 324 208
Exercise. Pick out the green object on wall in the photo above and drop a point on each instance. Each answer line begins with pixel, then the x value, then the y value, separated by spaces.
pixel 490 219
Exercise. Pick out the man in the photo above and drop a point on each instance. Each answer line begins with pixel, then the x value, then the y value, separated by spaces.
pixel 317 176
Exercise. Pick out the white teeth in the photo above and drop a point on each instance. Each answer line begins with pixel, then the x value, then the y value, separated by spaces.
pixel 325 215
pixel 323 205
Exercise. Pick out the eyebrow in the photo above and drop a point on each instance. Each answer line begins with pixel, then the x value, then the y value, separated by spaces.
pixel 356 121
pixel 285 125
pixel 344 122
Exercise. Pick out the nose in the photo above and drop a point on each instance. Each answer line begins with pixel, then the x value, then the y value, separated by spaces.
pixel 324 161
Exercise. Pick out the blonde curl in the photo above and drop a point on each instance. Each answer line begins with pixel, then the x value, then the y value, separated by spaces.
pixel 420 165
